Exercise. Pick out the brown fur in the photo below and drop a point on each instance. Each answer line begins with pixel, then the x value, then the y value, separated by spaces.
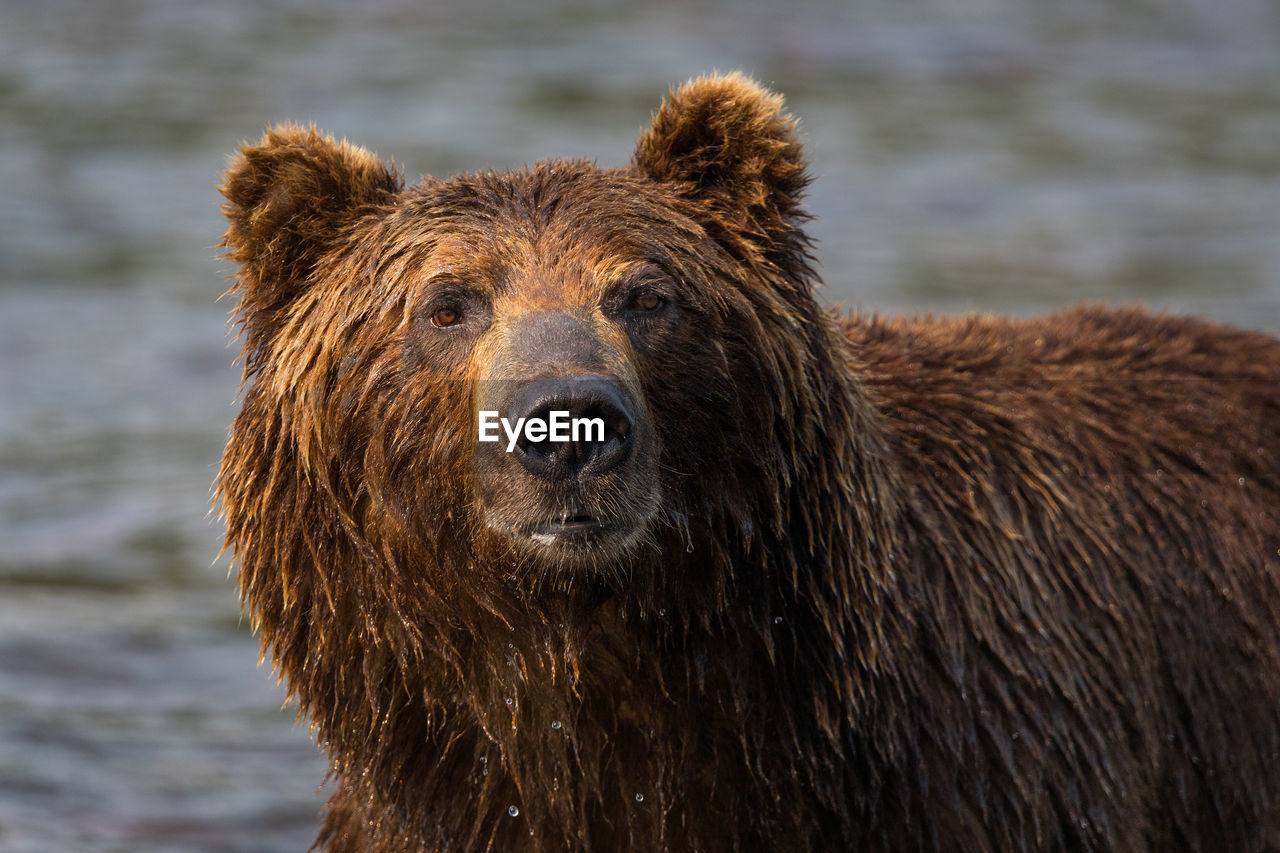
pixel 893 584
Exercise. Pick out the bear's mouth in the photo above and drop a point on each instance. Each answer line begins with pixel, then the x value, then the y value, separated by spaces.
pixel 576 528
pixel 576 536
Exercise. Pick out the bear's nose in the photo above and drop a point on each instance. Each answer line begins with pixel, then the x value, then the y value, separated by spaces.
pixel 588 427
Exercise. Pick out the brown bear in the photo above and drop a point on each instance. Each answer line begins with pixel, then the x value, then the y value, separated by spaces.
pixel 801 581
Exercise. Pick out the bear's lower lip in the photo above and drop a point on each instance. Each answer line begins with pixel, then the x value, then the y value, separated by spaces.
pixel 577 528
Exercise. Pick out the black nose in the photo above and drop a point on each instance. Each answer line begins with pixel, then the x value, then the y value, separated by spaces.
pixel 589 424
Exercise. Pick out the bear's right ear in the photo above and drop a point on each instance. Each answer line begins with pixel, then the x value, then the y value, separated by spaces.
pixel 287 200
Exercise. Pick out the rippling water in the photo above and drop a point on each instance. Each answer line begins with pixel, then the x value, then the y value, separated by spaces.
pixel 985 155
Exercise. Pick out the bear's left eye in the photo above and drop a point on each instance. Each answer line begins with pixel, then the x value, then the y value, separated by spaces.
pixel 644 301
pixel 648 301
pixel 446 315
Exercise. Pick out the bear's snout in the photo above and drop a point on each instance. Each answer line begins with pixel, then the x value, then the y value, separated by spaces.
pixel 595 424
pixel 565 459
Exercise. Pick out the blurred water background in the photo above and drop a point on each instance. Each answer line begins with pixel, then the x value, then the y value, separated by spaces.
pixel 1005 155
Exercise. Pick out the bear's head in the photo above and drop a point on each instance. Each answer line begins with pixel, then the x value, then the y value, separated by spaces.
pixel 659 317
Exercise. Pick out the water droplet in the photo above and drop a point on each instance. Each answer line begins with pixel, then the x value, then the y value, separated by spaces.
pixel 777 620
pixel 639 798
pixel 664 613
pixel 555 724
pixel 689 548
pixel 514 811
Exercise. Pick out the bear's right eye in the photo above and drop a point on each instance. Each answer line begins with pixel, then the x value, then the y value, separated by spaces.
pixel 445 316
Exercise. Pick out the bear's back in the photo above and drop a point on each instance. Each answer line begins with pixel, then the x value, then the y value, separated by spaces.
pixel 1090 517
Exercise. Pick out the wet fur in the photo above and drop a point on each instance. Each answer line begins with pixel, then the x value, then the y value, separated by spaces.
pixel 914 583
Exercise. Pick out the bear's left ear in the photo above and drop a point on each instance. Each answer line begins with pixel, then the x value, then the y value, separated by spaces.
pixel 288 198
pixel 726 143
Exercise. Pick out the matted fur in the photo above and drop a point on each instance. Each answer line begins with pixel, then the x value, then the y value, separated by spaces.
pixel 958 583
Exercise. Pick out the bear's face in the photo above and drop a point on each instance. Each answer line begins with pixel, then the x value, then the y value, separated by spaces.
pixel 563 363
pixel 552 317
